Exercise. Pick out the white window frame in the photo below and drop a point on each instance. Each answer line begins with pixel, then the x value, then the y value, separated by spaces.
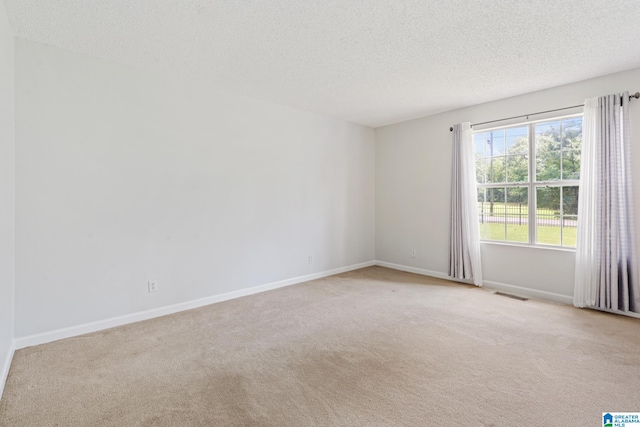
pixel 531 184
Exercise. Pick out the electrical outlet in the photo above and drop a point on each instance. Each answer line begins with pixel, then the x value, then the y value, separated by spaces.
pixel 413 253
pixel 153 286
pixel 310 259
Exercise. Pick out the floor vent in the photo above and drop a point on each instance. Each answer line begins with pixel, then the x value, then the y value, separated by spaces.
pixel 511 296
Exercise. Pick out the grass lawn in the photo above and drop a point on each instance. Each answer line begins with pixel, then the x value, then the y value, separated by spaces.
pixel 547 235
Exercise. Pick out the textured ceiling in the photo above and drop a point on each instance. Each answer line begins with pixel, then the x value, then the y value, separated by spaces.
pixel 372 62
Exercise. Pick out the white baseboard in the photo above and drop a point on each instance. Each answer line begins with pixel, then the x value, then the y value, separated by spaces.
pixel 421 271
pixel 86 328
pixel 4 368
pixel 528 292
pixel 503 287
pixel 512 289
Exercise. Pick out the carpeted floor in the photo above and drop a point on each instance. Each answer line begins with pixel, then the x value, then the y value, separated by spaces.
pixel 373 347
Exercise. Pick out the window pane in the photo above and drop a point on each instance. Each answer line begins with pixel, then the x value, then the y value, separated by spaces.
pixel 517 169
pixel 548 151
pixel 569 230
pixel 495 142
pixel 549 129
pixel 548 165
pixel 495 214
pixel 518 140
pixel 569 215
pixel 548 215
pixel 496 172
pixel 478 142
pixel 517 214
pixel 482 206
pixel 570 200
pixel 571 164
pixel 572 133
pixel 481 169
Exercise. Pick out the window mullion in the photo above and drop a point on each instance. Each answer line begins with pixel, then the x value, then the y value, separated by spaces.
pixel 532 189
pixel 561 224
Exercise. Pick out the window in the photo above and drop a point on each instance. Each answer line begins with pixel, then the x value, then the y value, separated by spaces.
pixel 528 178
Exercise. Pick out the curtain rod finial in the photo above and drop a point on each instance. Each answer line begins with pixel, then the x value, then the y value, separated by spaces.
pixel 635 95
pixel 451 129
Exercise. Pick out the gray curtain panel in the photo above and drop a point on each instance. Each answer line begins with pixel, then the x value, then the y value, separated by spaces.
pixel 606 262
pixel 464 238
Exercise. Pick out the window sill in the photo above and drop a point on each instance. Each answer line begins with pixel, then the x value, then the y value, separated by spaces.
pixel 522 245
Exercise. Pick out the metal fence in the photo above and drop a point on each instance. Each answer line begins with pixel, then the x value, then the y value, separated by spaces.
pixel 519 214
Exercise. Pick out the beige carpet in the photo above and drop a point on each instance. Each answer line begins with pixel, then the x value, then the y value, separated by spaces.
pixel 374 347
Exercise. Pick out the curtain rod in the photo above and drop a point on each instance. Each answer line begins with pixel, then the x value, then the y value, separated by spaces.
pixel 635 95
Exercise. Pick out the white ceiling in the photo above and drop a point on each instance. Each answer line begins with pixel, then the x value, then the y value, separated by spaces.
pixel 372 62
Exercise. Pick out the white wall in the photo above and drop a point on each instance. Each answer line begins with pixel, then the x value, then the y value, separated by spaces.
pixel 123 177
pixel 7 162
pixel 413 167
